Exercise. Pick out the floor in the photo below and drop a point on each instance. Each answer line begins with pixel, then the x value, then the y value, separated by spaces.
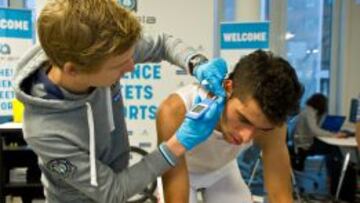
pixel 256 199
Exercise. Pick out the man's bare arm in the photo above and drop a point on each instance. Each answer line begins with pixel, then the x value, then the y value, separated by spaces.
pixel 277 169
pixel 170 115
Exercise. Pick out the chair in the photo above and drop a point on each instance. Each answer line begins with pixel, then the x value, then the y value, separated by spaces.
pixel 342 176
pixel 311 182
pixel 251 170
pixel 136 154
pixel 254 171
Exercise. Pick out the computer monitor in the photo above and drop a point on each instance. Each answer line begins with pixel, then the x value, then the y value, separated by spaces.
pixel 333 123
pixel 354 104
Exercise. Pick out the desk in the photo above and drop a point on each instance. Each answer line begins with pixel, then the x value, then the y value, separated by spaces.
pixel 341 142
pixel 345 143
pixel 11 126
pixel 349 142
pixel 15 153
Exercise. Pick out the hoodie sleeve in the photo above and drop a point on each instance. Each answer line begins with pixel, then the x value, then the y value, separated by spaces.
pixel 69 163
pixel 157 47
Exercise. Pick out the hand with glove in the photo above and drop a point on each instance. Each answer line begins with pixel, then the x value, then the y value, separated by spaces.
pixel 194 131
pixel 213 72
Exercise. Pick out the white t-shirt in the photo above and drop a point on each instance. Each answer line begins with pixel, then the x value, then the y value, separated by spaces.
pixel 215 152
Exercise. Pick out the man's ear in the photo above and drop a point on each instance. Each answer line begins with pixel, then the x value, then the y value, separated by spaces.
pixel 228 86
pixel 69 68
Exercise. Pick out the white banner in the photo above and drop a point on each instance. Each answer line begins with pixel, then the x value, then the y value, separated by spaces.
pixel 15 38
pixel 145 88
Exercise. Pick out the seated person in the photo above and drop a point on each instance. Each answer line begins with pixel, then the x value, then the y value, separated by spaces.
pixel 308 128
pixel 306 132
pixel 308 122
pixel 262 91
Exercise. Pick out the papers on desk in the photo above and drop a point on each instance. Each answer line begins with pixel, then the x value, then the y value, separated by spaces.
pixel 18 175
pixel 11 125
pixel 257 199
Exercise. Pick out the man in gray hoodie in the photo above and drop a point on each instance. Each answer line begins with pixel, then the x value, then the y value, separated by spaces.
pixel 73 116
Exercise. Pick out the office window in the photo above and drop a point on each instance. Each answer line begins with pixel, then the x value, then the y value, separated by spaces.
pixel 324 86
pixel 308 43
pixel 3 3
pixel 229 10
pixel 30 4
pixel 18 3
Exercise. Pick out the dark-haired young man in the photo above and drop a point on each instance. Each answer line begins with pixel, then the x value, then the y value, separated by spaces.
pixel 262 91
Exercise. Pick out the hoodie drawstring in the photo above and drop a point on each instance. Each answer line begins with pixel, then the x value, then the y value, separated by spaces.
pixel 90 118
pixel 109 109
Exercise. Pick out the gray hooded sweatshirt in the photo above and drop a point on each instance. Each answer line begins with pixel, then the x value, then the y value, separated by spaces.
pixel 81 140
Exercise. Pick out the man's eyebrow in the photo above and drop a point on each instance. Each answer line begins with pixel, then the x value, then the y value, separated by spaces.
pixel 246 120
pixel 243 118
pixel 266 129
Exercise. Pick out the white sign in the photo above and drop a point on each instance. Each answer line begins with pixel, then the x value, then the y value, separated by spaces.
pixel 15 37
pixel 145 88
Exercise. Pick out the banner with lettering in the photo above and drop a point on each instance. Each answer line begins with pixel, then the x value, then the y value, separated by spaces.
pixel 238 39
pixel 146 87
pixel 16 34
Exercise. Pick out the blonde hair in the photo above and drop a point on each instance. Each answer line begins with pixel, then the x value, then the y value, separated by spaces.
pixel 86 32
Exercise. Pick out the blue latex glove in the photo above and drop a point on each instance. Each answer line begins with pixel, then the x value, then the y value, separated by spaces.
pixel 214 72
pixel 193 132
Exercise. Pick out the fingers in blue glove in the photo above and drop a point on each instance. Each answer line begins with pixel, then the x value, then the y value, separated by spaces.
pixel 213 72
pixel 215 86
pixel 197 100
pixel 214 66
pixel 193 132
pixel 221 66
pixel 215 109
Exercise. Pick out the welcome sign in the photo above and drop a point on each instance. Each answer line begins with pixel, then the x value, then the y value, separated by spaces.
pixel 238 39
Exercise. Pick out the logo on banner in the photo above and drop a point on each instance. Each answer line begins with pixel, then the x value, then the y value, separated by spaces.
pixel 181 72
pixel 132 5
pixel 5 49
pixel 129 4
pixel 145 144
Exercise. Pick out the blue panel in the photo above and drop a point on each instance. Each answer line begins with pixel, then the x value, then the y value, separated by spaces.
pixel 245 35
pixel 5 119
pixel 15 23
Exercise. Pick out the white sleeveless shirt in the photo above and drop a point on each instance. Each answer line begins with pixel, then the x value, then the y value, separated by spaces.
pixel 215 152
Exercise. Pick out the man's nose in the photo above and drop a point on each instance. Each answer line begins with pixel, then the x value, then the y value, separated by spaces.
pixel 248 133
